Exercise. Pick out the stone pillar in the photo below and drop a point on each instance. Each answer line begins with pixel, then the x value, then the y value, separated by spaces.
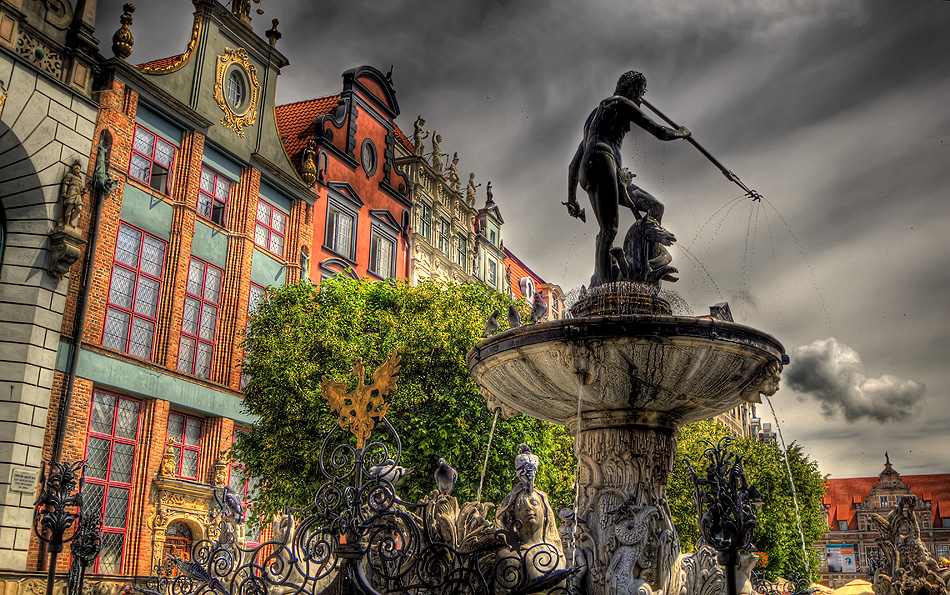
pixel 625 532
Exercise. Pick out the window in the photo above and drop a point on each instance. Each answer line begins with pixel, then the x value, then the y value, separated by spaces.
pixel 945 521
pixel 200 318
pixel 883 501
pixel 110 458
pixel 445 231
pixel 425 225
pixel 213 196
pixel 270 229
pixel 381 251
pixel 258 294
pixel 491 237
pixel 134 292
pixel 942 551
pixel 152 159
pixel 842 525
pixel 461 255
pixel 235 89
pixel 340 228
pixel 492 273
pixel 185 431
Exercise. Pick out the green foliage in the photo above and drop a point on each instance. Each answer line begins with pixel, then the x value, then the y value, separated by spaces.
pixel 303 333
pixel 777 531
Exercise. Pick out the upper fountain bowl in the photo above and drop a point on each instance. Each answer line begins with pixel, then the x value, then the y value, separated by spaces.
pixel 659 371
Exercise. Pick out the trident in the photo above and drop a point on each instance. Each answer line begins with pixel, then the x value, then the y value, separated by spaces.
pixel 729 175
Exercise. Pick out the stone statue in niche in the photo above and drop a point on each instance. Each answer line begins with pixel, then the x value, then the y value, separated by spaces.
pixel 71 194
pixel 304 263
pixel 597 168
pixel 419 134
pixel 470 191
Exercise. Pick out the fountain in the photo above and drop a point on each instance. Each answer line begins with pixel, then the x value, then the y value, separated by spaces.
pixel 625 374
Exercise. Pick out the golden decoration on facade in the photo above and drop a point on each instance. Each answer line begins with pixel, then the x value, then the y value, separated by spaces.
pixel 181 60
pixel 360 408
pixel 122 40
pixel 236 121
pixel 308 167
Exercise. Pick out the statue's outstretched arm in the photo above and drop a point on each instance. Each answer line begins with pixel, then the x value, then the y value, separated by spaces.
pixel 658 130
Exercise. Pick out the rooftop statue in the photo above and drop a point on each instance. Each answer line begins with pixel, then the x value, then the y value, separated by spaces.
pixel 419 134
pixel 596 166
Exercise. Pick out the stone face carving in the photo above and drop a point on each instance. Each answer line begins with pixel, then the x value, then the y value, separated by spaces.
pixel 527 512
pixel 909 569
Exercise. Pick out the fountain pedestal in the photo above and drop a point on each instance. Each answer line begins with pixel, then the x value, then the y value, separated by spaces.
pixel 634 380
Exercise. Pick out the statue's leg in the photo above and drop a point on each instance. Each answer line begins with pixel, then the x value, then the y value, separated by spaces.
pixel 646 202
pixel 604 196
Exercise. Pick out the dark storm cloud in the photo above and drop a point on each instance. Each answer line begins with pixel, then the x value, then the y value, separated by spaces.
pixel 833 374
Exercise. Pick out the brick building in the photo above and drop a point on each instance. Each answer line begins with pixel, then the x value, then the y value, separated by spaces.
pixel 849 542
pixel 207 211
pixel 523 283
pixel 47 115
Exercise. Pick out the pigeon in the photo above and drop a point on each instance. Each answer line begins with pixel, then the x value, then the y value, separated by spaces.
pixel 445 477
pixel 539 309
pixel 514 319
pixel 526 466
pixel 391 472
pixel 235 509
pixel 491 325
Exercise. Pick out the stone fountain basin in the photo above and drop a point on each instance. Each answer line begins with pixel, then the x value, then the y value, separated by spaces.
pixel 660 371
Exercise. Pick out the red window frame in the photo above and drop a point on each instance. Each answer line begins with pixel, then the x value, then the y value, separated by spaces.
pixel 217 206
pixel 108 482
pixel 180 444
pixel 153 160
pixel 190 366
pixel 132 311
pixel 265 230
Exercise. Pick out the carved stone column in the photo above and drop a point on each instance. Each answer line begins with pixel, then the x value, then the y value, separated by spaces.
pixel 625 533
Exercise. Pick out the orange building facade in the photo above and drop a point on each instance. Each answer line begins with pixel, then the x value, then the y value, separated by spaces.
pixel 850 543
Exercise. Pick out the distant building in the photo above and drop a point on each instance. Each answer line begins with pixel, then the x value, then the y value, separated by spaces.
pixel 523 283
pixel 850 543
pixel 361 229
pixel 444 240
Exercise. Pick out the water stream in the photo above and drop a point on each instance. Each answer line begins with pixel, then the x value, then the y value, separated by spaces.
pixel 791 480
pixel 481 480
pixel 577 469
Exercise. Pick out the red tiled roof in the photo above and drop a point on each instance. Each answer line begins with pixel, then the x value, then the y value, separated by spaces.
pixel 295 122
pixel 843 495
pixel 401 137
pixel 162 62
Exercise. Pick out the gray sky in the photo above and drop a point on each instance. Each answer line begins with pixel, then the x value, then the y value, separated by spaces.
pixel 835 110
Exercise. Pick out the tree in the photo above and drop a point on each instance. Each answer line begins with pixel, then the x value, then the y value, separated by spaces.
pixel 302 333
pixel 777 531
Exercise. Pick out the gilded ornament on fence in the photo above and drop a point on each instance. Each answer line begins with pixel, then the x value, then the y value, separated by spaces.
pixel 360 408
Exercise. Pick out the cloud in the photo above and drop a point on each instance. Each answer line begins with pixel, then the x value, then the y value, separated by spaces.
pixel 833 374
